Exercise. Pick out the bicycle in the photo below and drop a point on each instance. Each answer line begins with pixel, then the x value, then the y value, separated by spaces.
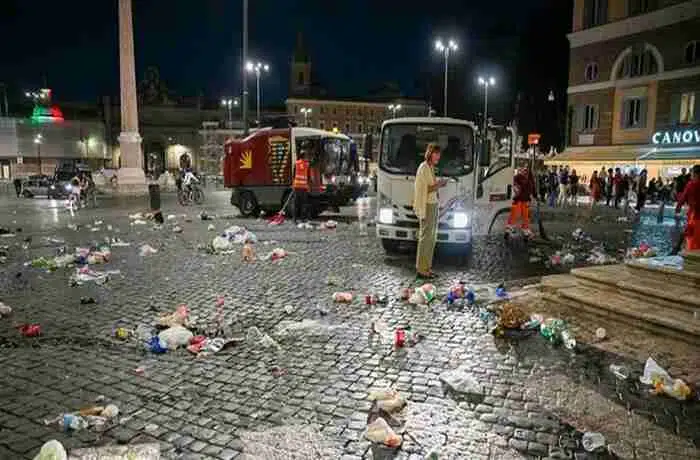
pixel 188 195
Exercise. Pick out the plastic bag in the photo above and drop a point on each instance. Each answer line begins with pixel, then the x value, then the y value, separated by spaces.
pixel 176 336
pixel 52 450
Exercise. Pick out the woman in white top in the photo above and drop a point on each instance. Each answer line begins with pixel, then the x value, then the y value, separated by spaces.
pixel 426 207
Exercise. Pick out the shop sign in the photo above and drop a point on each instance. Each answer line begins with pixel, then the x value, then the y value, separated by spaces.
pixel 686 136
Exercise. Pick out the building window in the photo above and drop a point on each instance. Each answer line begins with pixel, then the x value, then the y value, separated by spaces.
pixel 300 78
pixel 635 7
pixel 591 71
pixel 587 117
pixel 595 13
pixel 322 125
pixel 634 113
pixel 692 52
pixel 347 127
pixel 687 112
pixel 334 111
pixel 637 64
pixel 359 128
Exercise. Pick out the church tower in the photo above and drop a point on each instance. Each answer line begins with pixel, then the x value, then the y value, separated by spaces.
pixel 300 82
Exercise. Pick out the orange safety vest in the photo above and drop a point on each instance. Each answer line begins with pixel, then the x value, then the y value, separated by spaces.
pixel 301 175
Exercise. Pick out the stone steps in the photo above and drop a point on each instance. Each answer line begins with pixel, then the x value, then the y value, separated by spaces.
pixel 648 316
pixel 661 300
pixel 637 286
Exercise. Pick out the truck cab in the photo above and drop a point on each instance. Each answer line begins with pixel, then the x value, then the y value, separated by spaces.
pixel 479 172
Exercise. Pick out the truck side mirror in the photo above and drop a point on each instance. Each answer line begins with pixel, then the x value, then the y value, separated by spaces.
pixel 485 157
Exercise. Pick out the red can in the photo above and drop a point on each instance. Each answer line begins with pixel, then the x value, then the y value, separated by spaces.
pixel 399 338
pixel 370 299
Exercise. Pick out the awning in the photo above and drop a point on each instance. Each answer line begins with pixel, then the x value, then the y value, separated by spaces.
pixel 677 154
pixel 595 155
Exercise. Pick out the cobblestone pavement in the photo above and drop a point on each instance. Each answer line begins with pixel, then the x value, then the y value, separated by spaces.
pixel 533 402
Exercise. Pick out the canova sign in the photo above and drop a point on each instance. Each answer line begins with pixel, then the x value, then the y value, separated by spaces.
pixel 677 136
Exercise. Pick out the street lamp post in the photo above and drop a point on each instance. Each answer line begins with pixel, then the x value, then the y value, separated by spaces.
pixel 306 111
pixel 244 105
pixel 394 108
pixel 228 104
pixel 486 82
pixel 37 140
pixel 445 49
pixel 258 68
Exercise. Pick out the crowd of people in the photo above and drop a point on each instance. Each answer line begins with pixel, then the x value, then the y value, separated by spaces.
pixel 562 186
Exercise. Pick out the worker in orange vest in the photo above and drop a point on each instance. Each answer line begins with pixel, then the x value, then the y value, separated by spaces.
pixel 300 185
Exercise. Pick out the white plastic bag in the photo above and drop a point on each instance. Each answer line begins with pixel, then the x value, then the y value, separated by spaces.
pixel 653 372
pixel 52 450
pixel 176 336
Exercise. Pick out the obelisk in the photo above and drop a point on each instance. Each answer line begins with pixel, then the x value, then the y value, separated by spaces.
pixel 130 177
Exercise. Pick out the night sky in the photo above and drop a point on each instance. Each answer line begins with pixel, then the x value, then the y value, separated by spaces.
pixel 355 46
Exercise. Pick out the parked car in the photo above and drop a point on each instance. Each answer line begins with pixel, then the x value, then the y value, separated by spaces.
pixel 38 185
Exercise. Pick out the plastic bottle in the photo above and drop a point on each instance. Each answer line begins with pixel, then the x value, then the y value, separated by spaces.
pixel 399 338
pixel 568 339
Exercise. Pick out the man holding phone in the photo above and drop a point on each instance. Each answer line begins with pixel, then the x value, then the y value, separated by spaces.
pixel 426 206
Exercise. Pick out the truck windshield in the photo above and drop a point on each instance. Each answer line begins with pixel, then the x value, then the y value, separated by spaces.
pixel 403 147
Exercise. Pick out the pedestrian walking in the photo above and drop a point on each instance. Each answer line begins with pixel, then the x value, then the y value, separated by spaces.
pixel 425 205
pixel 300 186
pixel 594 187
pixel 573 187
pixel 679 183
pixel 691 196
pixel 552 187
pixel 618 187
pixel 609 186
pixel 563 185
pixel 641 190
pixel 18 186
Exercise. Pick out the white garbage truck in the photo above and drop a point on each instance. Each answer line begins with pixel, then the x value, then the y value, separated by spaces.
pixel 477 197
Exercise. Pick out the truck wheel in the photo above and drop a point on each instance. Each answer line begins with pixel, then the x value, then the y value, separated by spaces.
pixel 499 224
pixel 390 246
pixel 247 203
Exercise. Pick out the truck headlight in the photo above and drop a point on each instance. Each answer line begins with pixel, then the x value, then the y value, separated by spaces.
pixel 460 220
pixel 386 216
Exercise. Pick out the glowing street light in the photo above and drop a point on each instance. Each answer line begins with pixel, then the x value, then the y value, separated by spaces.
pixel 445 48
pixel 306 111
pixel 486 82
pixel 229 104
pixel 258 68
pixel 394 108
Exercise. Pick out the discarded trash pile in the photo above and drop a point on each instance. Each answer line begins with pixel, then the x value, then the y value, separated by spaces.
pixel 82 256
pixel 386 419
pixel 656 376
pixel 96 418
pixel 232 236
pixel 175 330
pixel 643 250
pixel 582 249
pixel 54 450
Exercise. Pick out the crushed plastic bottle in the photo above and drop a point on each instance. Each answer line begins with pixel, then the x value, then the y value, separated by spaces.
pixel 593 441
pixel 619 371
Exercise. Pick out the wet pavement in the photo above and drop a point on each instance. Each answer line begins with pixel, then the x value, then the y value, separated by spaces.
pixel 534 400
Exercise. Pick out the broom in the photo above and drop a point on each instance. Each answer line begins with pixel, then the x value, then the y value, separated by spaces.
pixel 278 218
